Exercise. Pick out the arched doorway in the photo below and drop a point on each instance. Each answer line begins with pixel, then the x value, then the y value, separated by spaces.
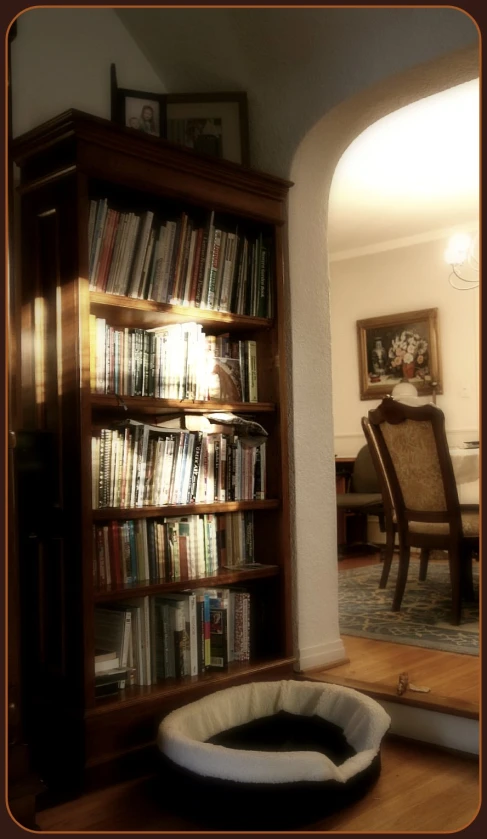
pixel 317 633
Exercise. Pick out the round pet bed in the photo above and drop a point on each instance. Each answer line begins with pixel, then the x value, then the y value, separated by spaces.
pixel 271 755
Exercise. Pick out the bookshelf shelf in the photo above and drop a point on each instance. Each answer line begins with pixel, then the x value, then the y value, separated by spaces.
pixel 147 314
pixel 103 207
pixel 224 578
pixel 141 694
pixel 106 513
pixel 150 406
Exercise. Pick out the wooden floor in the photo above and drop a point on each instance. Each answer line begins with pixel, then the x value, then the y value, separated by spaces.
pixel 453 679
pixel 419 789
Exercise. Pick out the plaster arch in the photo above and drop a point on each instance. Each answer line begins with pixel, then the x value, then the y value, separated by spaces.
pixel 315 589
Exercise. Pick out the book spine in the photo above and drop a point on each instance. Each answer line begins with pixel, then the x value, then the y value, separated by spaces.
pixel 218 638
pixel 200 276
pixel 195 266
pixel 175 290
pixel 252 371
pixel 207 264
pixel 215 256
pixel 193 635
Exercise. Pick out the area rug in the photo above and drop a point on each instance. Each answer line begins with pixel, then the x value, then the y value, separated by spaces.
pixel 424 618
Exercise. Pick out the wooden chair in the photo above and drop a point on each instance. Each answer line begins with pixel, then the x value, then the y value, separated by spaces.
pixel 389 514
pixel 390 520
pixel 364 497
pixel 414 452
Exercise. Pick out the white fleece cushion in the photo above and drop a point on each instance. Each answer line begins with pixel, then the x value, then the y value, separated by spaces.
pixel 182 734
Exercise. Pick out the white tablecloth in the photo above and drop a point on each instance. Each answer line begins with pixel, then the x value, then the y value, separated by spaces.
pixel 466 466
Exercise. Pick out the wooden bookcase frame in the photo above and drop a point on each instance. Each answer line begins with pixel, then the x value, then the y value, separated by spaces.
pixel 77 739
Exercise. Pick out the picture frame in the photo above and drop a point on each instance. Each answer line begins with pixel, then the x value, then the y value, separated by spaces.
pixel 210 123
pixel 399 347
pixel 137 109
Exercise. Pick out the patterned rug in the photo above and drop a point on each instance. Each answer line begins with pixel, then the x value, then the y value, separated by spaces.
pixel 424 618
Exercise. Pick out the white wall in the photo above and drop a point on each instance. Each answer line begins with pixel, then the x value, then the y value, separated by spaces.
pixel 402 280
pixel 61 59
pixel 296 64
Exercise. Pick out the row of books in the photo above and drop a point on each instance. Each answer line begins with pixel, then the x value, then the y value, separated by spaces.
pixel 172 362
pixel 140 465
pixel 171 549
pixel 178 261
pixel 172 635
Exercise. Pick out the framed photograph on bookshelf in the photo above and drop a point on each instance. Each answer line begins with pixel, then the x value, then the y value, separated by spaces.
pixel 137 109
pixel 210 123
pixel 395 348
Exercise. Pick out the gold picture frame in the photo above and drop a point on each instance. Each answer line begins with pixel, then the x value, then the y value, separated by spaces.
pixel 395 348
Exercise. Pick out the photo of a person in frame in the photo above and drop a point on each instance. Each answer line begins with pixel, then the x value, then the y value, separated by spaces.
pixel 147 122
pixel 142 115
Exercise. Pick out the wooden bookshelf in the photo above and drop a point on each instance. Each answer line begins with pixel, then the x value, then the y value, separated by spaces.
pixel 146 314
pixel 225 577
pixel 105 513
pixel 152 407
pixel 65 164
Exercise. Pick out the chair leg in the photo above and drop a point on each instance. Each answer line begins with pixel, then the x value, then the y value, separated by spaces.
pixel 388 555
pixel 402 575
pixel 423 564
pixel 454 560
pixel 466 585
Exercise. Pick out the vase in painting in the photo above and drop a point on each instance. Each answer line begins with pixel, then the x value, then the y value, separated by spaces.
pixel 408 370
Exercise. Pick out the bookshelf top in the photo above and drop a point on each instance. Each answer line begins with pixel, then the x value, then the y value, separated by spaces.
pixel 96 147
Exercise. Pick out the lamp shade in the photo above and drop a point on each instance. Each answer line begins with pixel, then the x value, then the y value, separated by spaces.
pixel 406 393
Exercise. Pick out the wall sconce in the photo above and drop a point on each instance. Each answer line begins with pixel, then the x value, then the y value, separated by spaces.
pixel 462 254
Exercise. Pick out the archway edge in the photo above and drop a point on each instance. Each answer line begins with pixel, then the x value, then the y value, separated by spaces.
pixel 312 446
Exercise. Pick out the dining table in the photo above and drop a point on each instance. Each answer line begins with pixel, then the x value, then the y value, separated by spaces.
pixel 466 468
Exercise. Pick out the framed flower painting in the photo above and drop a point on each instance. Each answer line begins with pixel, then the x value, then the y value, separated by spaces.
pixel 395 348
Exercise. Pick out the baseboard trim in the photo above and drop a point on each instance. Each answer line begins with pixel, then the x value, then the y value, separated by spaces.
pixel 321 655
pixel 460 734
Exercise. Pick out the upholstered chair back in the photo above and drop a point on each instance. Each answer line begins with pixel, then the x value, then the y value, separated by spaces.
pixel 412 448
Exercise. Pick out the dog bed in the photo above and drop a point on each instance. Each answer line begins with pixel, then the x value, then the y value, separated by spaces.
pixel 271 755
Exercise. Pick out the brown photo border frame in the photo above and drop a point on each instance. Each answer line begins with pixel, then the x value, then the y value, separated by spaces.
pixel 236 97
pixel 119 94
pixel 429 316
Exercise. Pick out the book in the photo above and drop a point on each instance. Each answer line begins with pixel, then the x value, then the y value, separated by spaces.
pixel 252 370
pixel 218 638
pixel 206 261
pixel 103 666
pixel 139 609
pixel 105 655
pixel 112 632
pixel 186 602
pixel 116 674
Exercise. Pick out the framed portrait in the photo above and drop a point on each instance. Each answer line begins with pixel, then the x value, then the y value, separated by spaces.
pixel 210 123
pixel 139 110
pixel 395 348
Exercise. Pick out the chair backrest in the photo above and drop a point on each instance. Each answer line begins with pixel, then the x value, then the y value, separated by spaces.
pixel 364 476
pixel 414 451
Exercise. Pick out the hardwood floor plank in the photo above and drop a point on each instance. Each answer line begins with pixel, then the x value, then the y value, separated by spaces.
pixel 420 789
pixel 450 676
pixel 453 678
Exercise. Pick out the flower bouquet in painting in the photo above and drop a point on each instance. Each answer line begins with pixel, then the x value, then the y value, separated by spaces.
pixel 408 355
